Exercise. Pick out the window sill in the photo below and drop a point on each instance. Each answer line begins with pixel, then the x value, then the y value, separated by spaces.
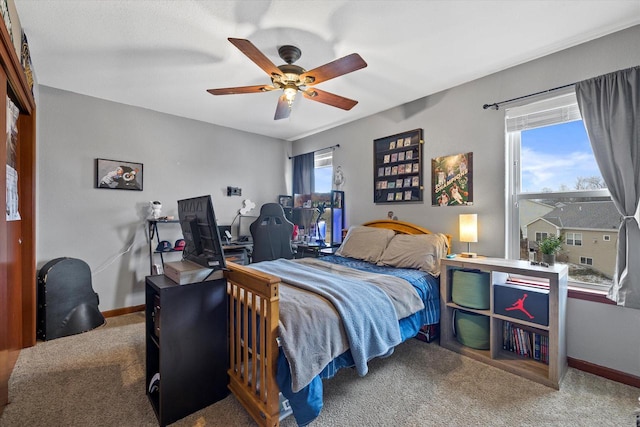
pixel 589 295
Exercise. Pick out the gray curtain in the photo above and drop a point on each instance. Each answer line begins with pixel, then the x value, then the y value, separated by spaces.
pixel 610 107
pixel 303 177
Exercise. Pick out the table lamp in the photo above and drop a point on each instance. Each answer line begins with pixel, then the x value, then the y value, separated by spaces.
pixel 468 232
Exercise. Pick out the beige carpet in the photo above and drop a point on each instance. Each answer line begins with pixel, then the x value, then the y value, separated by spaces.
pixel 97 379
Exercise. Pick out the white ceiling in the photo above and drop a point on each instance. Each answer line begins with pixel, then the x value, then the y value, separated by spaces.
pixel 163 55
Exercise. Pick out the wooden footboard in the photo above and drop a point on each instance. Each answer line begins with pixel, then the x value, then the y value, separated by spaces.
pixel 253 331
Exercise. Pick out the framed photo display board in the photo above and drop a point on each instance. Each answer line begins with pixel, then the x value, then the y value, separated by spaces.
pixel 397 168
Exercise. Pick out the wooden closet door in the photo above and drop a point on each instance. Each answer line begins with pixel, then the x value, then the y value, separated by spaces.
pixel 17 238
pixel 5 294
pixel 17 251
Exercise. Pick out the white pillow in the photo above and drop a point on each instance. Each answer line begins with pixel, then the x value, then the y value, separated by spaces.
pixel 365 243
pixel 418 251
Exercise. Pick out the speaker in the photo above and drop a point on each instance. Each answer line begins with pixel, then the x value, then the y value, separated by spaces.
pixel 67 304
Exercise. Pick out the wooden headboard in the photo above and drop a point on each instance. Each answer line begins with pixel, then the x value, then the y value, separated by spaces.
pixel 404 228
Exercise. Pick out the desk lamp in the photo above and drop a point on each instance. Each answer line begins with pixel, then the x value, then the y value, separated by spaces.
pixel 468 232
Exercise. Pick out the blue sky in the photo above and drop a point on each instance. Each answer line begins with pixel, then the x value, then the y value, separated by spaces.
pixel 323 179
pixel 556 155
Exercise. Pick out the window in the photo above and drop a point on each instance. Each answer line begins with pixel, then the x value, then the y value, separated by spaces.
pixel 574 239
pixel 586 260
pixel 555 186
pixel 606 237
pixel 323 171
pixel 541 236
pixel 317 180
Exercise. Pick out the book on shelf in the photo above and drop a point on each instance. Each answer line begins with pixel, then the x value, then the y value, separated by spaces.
pixel 525 342
pixel 533 282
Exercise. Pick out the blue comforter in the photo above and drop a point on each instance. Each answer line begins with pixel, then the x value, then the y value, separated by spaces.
pixel 307 403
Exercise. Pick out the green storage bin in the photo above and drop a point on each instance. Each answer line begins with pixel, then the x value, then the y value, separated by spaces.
pixel 471 329
pixel 471 289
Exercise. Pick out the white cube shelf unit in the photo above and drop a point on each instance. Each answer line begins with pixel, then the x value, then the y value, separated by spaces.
pixel 553 333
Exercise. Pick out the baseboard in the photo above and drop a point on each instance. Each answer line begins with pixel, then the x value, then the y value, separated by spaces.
pixel 124 310
pixel 601 371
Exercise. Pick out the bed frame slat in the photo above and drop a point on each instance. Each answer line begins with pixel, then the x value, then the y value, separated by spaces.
pixel 253 328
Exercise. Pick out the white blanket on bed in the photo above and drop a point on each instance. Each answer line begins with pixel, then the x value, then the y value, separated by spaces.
pixel 311 330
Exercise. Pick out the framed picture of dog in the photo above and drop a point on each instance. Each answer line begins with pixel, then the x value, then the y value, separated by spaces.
pixel 119 175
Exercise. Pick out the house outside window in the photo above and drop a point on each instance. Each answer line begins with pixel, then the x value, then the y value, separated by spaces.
pixel 574 239
pixel 586 261
pixel 606 237
pixel 541 236
pixel 555 187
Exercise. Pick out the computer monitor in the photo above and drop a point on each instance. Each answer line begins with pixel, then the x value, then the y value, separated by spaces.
pixel 200 232
pixel 225 233
pixel 244 223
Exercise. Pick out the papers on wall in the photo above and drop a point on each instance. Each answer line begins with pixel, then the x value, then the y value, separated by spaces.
pixel 13 214
pixel 12 194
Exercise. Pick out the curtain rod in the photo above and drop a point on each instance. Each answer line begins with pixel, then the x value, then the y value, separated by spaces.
pixel 325 148
pixel 496 105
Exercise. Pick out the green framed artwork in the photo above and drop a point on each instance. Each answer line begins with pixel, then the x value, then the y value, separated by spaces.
pixel 452 180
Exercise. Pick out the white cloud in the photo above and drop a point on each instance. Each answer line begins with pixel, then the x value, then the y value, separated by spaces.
pixel 546 170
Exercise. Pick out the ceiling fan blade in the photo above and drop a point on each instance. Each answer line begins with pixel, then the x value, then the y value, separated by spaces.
pixel 282 110
pixel 241 89
pixel 329 98
pixel 254 54
pixel 333 69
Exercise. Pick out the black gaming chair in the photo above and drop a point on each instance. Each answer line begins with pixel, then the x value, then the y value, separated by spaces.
pixel 271 234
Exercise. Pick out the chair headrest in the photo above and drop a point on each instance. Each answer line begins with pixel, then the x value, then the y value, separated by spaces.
pixel 271 209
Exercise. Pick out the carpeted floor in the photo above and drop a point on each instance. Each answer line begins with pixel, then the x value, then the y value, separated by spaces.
pixel 97 379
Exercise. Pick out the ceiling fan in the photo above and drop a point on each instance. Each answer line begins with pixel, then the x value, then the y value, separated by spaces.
pixel 293 78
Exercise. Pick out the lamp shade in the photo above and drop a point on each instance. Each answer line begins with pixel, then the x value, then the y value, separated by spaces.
pixel 469 228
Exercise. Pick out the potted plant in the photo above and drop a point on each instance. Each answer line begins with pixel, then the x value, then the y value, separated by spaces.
pixel 550 246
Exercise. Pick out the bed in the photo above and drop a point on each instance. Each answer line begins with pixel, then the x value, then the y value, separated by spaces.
pixel 277 364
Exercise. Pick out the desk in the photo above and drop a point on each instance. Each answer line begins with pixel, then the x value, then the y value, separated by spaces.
pixel 314 250
pixel 238 252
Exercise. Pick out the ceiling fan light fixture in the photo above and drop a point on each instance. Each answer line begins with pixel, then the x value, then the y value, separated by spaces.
pixel 290 93
pixel 291 78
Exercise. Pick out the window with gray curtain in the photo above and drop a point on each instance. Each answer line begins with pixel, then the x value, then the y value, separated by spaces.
pixel 555 187
pixel 610 107
pixel 303 174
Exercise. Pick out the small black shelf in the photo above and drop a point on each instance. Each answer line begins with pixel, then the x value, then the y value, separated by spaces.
pixel 154 240
pixel 165 252
pixel 186 344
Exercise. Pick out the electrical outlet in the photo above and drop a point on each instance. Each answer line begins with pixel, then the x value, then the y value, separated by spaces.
pixel 234 191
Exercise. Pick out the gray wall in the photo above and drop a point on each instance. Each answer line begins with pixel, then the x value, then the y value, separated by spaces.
pixel 182 158
pixel 454 122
